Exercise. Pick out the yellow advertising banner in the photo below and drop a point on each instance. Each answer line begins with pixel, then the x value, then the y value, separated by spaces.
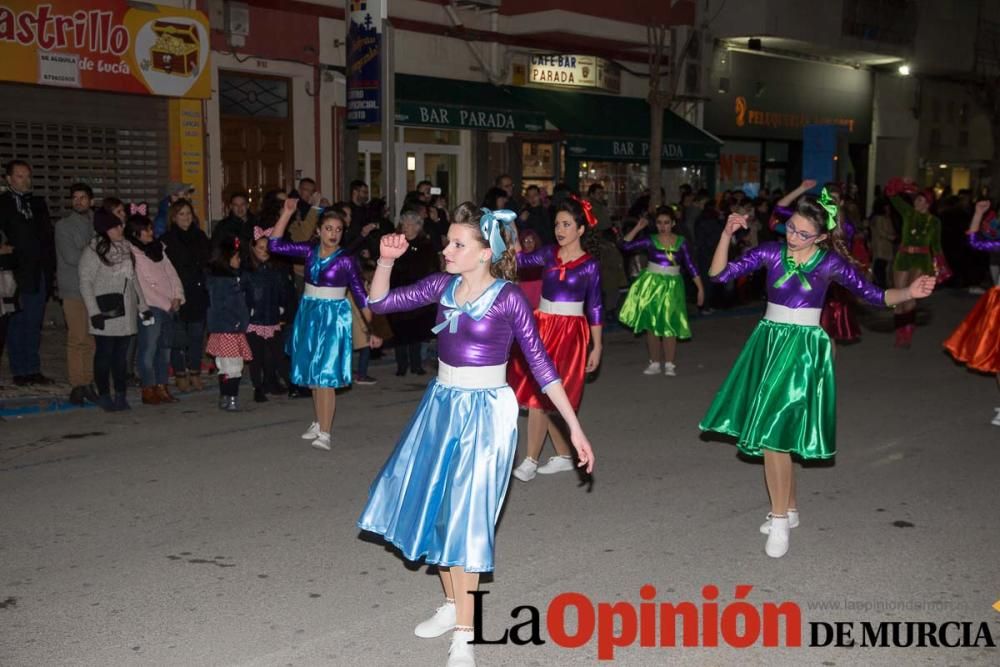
pixel 106 45
pixel 187 149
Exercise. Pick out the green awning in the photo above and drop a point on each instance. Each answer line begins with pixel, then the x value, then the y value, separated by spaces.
pixel 432 102
pixel 608 127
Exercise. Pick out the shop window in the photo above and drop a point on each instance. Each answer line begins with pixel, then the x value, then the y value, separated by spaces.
pixel 537 160
pixel 426 135
pixel 776 152
pixel 252 96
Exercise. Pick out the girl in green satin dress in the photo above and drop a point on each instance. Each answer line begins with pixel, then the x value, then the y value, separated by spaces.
pixel 656 303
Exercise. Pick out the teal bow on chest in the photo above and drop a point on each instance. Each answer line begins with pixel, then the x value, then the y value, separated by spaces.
pixel 476 309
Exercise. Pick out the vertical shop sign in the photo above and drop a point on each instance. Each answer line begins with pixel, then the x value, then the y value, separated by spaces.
pixel 364 59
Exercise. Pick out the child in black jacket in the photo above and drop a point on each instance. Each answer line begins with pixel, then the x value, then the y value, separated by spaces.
pixel 269 292
pixel 228 318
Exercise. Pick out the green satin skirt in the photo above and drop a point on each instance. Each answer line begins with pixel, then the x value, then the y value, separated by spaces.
pixel 780 394
pixel 656 303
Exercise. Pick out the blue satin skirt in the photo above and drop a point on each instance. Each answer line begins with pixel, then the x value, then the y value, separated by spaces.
pixel 439 495
pixel 320 344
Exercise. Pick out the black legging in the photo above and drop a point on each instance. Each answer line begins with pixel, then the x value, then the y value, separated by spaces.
pixel 267 359
pixel 111 358
pixel 409 352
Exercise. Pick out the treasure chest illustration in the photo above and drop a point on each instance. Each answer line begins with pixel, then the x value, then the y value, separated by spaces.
pixel 176 49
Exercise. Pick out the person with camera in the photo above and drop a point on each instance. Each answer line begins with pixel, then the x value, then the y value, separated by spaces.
pixel 113 299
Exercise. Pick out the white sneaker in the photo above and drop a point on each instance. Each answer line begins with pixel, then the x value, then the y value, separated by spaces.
pixel 526 471
pixel 441 622
pixel 322 441
pixel 311 432
pixel 793 521
pixel 460 654
pixel 652 369
pixel 996 417
pixel 777 538
pixel 669 369
pixel 556 464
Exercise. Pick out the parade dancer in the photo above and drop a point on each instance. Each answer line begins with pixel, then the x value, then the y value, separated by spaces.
pixel 975 341
pixel 838 318
pixel 320 344
pixel 779 398
pixel 656 301
pixel 440 493
pixel 570 316
pixel 920 252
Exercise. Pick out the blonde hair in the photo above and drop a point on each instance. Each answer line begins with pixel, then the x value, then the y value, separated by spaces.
pixel 468 215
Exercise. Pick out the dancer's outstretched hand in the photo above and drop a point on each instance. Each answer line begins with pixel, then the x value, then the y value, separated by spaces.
pixel 922 287
pixel 583 450
pixel 392 246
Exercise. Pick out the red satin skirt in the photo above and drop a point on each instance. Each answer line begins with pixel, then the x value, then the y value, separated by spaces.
pixel 976 341
pixel 838 318
pixel 565 338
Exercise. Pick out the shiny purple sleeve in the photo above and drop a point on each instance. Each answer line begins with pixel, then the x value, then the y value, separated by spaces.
pixel 594 299
pixel 686 260
pixel 421 293
pixel 288 248
pixel 980 242
pixel 536 259
pixel 637 244
pixel 525 329
pixel 783 212
pixel 355 283
pixel 751 260
pixel 847 274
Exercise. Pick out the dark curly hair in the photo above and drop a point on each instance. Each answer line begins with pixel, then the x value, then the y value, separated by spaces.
pixel 589 241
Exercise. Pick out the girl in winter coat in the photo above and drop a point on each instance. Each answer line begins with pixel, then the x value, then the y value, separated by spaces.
pixel 228 319
pixel 269 291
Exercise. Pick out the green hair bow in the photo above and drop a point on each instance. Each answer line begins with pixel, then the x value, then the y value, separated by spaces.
pixel 830 206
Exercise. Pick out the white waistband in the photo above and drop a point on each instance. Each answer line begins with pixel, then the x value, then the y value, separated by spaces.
pixel 560 307
pixel 325 292
pixel 472 377
pixel 785 315
pixel 663 270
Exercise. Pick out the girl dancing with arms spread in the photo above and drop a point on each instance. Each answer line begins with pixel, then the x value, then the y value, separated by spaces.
pixel 780 398
pixel 570 315
pixel 976 341
pixel 440 493
pixel 656 302
pixel 320 344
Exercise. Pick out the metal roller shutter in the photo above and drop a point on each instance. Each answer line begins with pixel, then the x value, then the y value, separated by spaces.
pixel 118 144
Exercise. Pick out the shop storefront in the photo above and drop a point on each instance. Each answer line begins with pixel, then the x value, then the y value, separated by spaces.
pixel 761 105
pixel 605 139
pixel 113 100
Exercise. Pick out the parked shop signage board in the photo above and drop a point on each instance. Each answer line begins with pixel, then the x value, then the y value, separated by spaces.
pixel 637 150
pixel 568 71
pixel 470 118
pixel 187 148
pixel 364 61
pixel 106 45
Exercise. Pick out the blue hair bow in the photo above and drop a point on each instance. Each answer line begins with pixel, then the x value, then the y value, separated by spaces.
pixel 492 224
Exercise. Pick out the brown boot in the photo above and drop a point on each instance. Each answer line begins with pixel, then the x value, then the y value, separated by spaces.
pixel 165 395
pixel 195 380
pixel 150 396
pixel 182 382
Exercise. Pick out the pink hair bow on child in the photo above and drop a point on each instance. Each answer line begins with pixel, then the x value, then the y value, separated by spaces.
pixel 138 209
pixel 260 233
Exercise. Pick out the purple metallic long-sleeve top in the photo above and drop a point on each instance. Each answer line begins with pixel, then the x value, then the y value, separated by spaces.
pixel 787 284
pixel 579 280
pixel 980 242
pixel 677 255
pixel 484 341
pixel 335 271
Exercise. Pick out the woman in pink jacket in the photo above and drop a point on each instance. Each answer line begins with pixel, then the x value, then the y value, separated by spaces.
pixel 164 295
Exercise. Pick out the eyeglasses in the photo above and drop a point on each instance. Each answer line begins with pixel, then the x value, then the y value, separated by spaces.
pixel 802 235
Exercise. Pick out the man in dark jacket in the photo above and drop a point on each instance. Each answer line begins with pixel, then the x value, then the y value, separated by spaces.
pixel 238 223
pixel 24 220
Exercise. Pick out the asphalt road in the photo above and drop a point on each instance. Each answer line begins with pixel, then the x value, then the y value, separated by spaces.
pixel 181 535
